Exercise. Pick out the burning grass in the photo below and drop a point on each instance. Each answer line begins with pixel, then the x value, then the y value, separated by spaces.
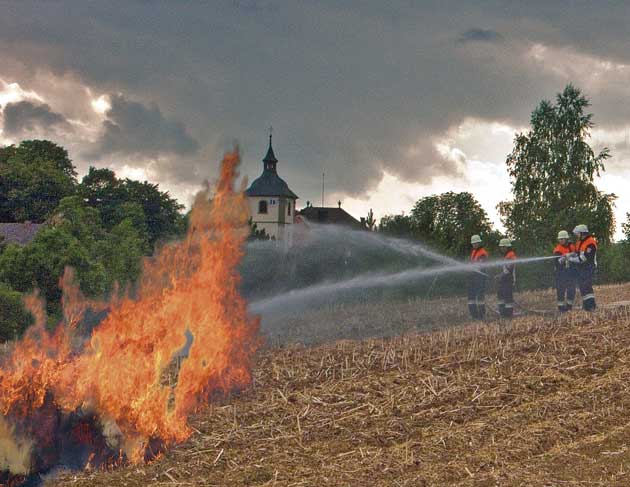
pixel 101 401
pixel 542 400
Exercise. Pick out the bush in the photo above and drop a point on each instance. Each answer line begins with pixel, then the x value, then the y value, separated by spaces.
pixel 14 318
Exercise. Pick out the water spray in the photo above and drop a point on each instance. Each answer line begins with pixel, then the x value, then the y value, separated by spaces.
pixel 371 280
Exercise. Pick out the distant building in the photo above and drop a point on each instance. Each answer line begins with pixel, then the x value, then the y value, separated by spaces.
pixel 271 202
pixel 331 215
pixel 19 233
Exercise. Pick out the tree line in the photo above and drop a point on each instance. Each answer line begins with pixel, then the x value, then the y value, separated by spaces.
pixel 101 226
pixel 552 171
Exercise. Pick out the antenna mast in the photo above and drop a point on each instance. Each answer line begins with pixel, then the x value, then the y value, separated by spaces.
pixel 323 177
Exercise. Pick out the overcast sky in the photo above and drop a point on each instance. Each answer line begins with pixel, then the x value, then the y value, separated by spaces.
pixel 393 100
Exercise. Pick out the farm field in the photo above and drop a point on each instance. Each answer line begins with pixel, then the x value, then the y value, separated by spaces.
pixel 541 400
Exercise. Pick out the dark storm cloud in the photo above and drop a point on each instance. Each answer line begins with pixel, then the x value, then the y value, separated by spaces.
pixel 134 129
pixel 479 35
pixel 353 88
pixel 25 116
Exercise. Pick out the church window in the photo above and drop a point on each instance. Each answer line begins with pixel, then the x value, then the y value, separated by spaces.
pixel 262 207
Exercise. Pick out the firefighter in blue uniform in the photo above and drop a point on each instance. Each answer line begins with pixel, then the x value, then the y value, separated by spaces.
pixel 585 261
pixel 507 279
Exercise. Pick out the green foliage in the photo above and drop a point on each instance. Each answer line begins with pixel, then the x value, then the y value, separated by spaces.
pixel 445 222
pixel 34 177
pixel 625 227
pixel 370 221
pixel 399 226
pixel 41 263
pixel 552 169
pixel 156 214
pixel 121 253
pixel 14 318
pixel 256 233
pixel 101 227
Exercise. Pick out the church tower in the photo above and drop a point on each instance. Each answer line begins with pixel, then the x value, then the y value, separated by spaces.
pixel 271 202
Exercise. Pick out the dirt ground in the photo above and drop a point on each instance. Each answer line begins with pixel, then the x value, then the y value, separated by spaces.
pixel 543 400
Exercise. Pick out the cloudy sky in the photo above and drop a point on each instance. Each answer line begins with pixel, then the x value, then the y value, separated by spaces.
pixel 393 100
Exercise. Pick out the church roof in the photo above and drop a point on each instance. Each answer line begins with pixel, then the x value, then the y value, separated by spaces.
pixel 269 183
pixel 333 215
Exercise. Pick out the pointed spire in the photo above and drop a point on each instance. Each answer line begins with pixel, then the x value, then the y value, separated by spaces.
pixel 270 159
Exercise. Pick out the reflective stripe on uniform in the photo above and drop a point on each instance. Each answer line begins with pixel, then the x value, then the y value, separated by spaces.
pixel 588 296
pixel 509 305
pixel 472 301
pixel 561 303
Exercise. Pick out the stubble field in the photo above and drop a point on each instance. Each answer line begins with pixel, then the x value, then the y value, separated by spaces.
pixel 541 400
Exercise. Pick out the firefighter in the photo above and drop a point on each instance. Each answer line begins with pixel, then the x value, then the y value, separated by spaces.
pixel 585 261
pixel 565 272
pixel 477 280
pixel 507 279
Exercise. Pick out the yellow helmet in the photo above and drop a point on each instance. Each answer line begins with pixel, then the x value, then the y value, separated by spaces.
pixel 563 234
pixel 505 242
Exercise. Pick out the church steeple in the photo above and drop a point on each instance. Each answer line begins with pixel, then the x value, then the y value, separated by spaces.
pixel 270 160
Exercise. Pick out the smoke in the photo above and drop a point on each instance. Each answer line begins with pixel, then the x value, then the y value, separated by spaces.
pixel 15 453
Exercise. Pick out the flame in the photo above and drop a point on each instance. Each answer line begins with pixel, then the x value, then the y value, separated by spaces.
pixel 118 374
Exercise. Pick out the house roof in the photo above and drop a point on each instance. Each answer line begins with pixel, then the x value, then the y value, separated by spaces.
pixel 269 183
pixel 19 233
pixel 334 215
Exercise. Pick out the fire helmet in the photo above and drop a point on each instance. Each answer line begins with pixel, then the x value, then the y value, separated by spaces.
pixel 563 234
pixel 580 229
pixel 505 242
pixel 475 239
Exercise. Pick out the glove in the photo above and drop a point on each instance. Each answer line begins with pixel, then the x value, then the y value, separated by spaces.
pixel 562 260
pixel 573 257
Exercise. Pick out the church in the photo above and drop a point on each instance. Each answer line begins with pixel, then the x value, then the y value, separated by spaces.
pixel 272 206
pixel 271 202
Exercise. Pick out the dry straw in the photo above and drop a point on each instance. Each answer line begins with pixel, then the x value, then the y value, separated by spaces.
pixel 542 400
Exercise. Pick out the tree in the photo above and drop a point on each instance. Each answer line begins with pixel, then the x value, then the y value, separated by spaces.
pixel 35 151
pixel 156 213
pixel 370 221
pixel 448 220
pixel 41 263
pixel 396 226
pixel 78 219
pixel 552 169
pixel 120 253
pixel 625 227
pixel 34 177
pixel 14 318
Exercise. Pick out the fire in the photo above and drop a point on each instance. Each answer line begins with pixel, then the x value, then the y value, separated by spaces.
pixel 107 394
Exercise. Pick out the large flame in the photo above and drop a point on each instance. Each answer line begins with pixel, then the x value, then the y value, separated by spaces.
pixel 118 374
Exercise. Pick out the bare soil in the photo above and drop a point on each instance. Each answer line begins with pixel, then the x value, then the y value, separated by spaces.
pixel 542 400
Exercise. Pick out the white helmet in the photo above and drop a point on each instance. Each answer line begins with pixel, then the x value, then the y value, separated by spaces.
pixel 563 234
pixel 505 242
pixel 475 239
pixel 580 229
